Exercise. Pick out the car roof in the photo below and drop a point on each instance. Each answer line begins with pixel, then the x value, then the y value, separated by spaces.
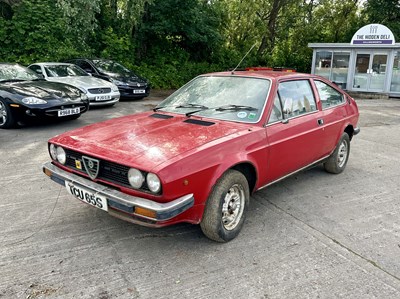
pixel 263 74
pixel 52 63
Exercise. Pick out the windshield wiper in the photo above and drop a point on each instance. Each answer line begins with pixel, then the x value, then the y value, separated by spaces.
pixel 225 108
pixel 235 108
pixel 202 107
pixel 192 106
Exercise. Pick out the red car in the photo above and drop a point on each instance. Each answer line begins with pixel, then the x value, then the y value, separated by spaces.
pixel 200 154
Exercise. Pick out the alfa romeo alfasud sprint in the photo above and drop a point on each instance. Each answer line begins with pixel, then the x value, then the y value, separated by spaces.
pixel 200 154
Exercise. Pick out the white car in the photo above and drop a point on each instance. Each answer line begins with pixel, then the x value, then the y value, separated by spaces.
pixel 100 92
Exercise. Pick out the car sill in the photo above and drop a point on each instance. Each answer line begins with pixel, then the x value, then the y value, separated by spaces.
pixel 294 172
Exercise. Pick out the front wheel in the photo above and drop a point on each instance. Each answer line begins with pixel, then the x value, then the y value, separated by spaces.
pixel 226 207
pixel 338 160
pixel 6 118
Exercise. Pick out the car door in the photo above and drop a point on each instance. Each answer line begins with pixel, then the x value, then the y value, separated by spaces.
pixel 334 113
pixel 294 129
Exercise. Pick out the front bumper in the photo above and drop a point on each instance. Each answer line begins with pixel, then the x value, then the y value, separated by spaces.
pixel 128 92
pixel 27 112
pixel 122 205
pixel 114 99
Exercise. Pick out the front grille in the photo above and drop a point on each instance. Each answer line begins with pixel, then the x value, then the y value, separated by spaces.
pixel 99 90
pixel 108 171
pixel 114 172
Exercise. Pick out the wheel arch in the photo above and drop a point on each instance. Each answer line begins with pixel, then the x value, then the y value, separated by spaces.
pixel 350 131
pixel 249 171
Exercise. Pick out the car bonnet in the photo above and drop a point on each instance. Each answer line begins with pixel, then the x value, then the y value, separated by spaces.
pixel 83 81
pixel 146 140
pixel 43 89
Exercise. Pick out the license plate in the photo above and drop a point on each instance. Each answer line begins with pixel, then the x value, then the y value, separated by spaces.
pixel 103 98
pixel 139 91
pixel 87 196
pixel 70 111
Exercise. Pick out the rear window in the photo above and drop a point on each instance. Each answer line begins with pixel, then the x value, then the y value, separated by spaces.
pixel 329 96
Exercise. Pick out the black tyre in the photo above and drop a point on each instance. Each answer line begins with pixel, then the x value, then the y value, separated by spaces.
pixel 336 163
pixel 226 207
pixel 7 120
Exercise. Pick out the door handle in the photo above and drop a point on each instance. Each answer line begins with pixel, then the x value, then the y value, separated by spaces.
pixel 320 122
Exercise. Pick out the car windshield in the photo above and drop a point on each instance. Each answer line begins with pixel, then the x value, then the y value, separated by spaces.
pixel 109 66
pixel 64 70
pixel 232 98
pixel 14 72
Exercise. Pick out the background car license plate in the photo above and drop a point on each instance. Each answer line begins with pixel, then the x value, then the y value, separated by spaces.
pixel 139 91
pixel 103 98
pixel 87 196
pixel 70 111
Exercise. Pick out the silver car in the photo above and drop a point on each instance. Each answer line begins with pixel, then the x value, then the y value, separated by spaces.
pixel 100 92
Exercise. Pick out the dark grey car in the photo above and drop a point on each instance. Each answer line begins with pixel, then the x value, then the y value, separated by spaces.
pixel 130 85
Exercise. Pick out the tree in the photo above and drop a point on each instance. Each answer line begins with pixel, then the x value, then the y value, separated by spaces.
pixel 337 20
pixel 178 26
pixel 36 31
pixel 269 15
pixel 79 17
pixel 385 12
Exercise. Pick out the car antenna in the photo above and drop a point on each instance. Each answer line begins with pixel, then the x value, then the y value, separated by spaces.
pixel 233 71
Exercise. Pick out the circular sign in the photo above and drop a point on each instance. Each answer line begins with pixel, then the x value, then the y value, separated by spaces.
pixel 242 114
pixel 373 34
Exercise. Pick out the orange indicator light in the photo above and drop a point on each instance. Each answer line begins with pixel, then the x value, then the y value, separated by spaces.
pixel 145 212
pixel 47 172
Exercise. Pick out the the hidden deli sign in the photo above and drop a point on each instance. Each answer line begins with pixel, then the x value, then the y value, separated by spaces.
pixel 373 34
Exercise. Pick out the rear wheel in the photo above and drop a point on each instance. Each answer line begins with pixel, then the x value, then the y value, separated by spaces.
pixel 224 213
pixel 6 118
pixel 336 163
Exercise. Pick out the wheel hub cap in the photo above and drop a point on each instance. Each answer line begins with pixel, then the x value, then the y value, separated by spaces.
pixel 3 114
pixel 342 154
pixel 232 207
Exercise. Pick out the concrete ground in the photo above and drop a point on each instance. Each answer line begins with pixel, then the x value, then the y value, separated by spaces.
pixel 313 235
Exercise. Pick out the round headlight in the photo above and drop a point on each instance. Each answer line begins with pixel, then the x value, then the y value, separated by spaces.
pixel 33 101
pixel 153 182
pixel 135 178
pixel 114 87
pixel 53 151
pixel 61 155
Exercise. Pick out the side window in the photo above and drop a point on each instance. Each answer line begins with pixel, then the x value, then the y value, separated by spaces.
pixel 85 66
pixel 297 98
pixel 329 96
pixel 276 113
pixel 36 69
